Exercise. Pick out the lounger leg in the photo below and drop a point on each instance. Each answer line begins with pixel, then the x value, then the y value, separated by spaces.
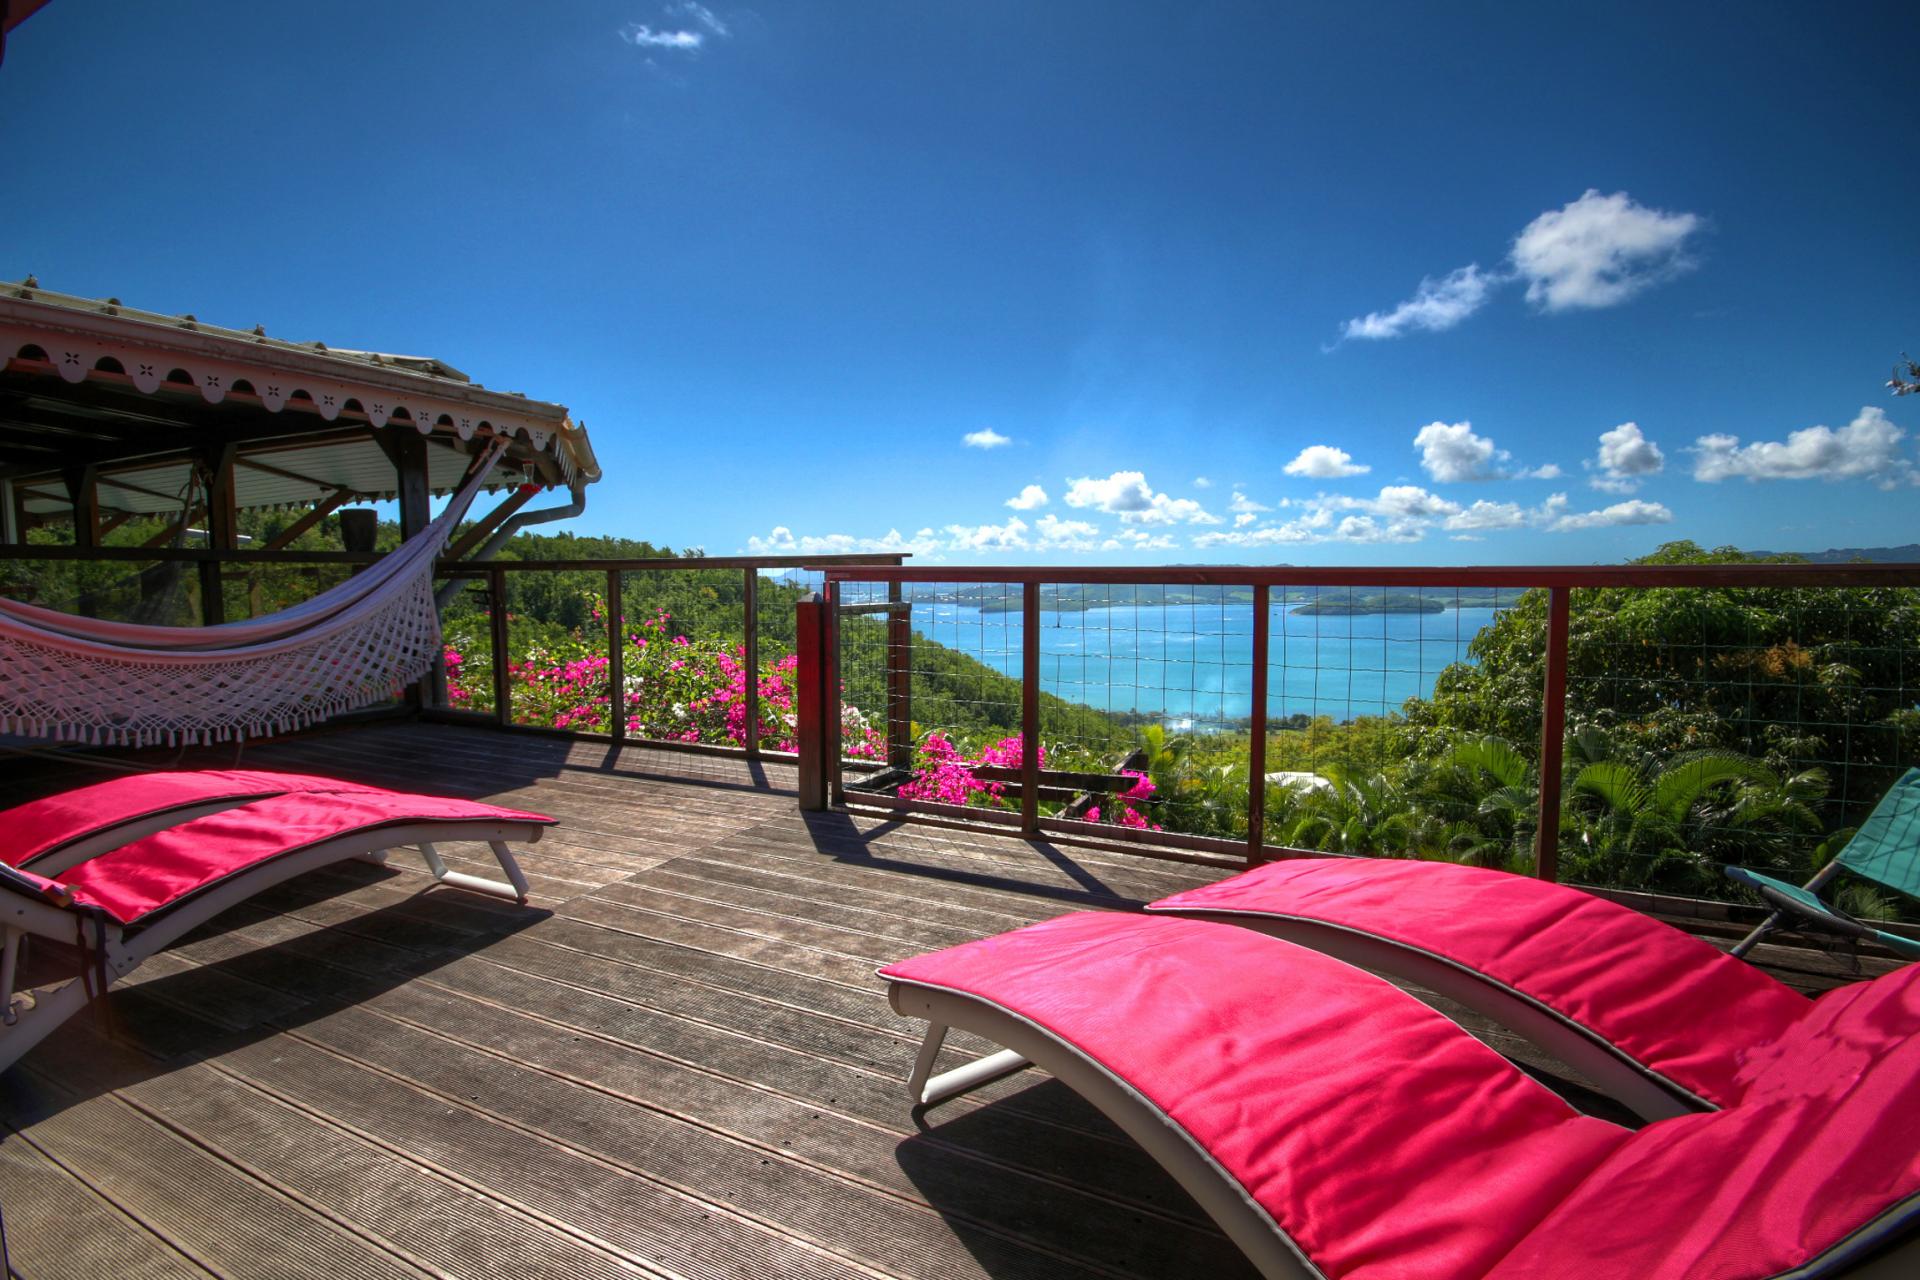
pixel 9 969
pixel 1761 930
pixel 514 888
pixel 928 1089
pixel 32 1025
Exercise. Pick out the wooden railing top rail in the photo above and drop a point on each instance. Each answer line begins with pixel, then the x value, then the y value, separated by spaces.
pixel 1436 576
pixel 202 555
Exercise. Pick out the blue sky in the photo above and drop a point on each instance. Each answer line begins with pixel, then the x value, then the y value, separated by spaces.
pixel 1228 282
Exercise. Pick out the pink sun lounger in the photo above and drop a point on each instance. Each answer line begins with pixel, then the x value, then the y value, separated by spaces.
pixel 1654 1016
pixel 1337 1128
pixel 124 868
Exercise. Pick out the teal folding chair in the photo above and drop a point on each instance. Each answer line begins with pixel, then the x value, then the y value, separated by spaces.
pixel 1886 849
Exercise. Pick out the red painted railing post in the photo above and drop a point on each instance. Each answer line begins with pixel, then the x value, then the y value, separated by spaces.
pixel 810 694
pixel 1553 734
pixel 750 655
pixel 1257 743
pixel 616 657
pixel 1030 710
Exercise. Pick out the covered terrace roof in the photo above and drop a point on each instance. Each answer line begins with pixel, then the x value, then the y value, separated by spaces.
pixel 139 396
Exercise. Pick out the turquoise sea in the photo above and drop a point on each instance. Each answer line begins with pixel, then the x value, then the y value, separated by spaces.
pixel 1192 664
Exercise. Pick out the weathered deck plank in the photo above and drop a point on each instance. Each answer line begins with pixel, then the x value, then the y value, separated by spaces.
pixel 676 1060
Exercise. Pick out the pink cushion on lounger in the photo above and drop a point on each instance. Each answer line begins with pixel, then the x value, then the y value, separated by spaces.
pixel 29 830
pixel 1825 1139
pixel 1379 1136
pixel 169 866
pixel 1673 1003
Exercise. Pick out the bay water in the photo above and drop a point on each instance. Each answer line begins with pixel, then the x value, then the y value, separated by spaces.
pixel 1191 665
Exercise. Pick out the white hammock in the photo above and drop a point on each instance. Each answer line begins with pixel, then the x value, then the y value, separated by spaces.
pixel 128 684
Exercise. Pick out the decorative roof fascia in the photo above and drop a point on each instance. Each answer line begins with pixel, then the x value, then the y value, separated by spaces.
pixel 77 334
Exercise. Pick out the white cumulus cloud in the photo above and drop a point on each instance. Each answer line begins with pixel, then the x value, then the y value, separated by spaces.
pixel 1324 462
pixel 1201 482
pixel 1598 251
pixel 1866 447
pixel 1487 515
pixel 1028 498
pixel 985 438
pixel 1435 305
pixel 1127 494
pixel 1066 535
pixel 1011 536
pixel 1626 457
pixel 1452 454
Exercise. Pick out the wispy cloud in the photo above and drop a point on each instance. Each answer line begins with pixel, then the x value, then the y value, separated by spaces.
pixel 985 438
pixel 1554 517
pixel 1201 482
pixel 1866 448
pixel 783 541
pixel 1626 457
pixel 1596 251
pixel 642 36
pixel 1435 306
pixel 1029 498
pixel 1324 462
pixel 700 23
pixel 1241 504
pixel 1127 494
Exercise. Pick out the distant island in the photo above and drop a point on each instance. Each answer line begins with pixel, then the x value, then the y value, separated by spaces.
pixel 1906 554
pixel 1381 602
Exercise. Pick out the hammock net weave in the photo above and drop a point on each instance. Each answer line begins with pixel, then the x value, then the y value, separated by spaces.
pixel 127 684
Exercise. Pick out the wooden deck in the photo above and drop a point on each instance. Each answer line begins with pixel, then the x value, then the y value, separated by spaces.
pixel 675 1062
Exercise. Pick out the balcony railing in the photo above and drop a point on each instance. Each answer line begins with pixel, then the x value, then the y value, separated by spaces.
pixel 1792 685
pixel 546 646
pixel 1215 712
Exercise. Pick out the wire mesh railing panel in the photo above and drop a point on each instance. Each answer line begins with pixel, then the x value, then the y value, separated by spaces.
pixel 1734 725
pixel 1148 702
pixel 1355 762
pixel 559 669
pixel 776 592
pixel 157 593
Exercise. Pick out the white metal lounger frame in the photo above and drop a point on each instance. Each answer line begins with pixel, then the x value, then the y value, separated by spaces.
pixel 122 949
pixel 1250 1227
pixel 1646 1092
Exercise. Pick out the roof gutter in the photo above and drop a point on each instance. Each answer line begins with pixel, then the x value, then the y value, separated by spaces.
pixel 513 525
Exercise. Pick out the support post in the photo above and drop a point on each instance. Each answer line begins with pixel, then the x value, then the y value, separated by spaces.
pixel 1553 733
pixel 616 657
pixel 497 639
pixel 1257 743
pixel 223 531
pixel 810 631
pixel 408 450
pixel 899 681
pixel 83 491
pixel 750 655
pixel 1030 710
